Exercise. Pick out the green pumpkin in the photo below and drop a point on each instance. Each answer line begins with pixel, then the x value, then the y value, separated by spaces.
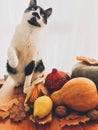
pixel 83 69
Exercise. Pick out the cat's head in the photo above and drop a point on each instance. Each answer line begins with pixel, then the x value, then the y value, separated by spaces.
pixel 35 15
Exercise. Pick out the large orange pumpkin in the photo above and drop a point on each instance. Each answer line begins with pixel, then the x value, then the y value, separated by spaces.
pixel 79 94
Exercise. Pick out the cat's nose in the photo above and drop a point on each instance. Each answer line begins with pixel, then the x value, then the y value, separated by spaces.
pixel 36 15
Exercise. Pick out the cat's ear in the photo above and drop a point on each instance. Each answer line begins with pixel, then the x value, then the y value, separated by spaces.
pixel 32 2
pixel 48 12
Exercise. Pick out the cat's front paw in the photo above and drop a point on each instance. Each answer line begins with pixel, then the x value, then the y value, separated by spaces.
pixel 10 69
pixel 26 89
pixel 13 63
pixel 28 92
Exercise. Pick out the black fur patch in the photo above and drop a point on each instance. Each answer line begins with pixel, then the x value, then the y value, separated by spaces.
pixel 34 22
pixel 43 14
pixel 33 2
pixel 29 68
pixel 39 67
pixel 11 69
pixel 35 14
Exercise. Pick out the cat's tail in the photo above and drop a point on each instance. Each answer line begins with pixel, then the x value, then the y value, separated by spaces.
pixel 6 91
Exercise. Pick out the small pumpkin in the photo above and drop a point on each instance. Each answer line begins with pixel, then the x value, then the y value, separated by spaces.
pixel 87 68
pixel 79 94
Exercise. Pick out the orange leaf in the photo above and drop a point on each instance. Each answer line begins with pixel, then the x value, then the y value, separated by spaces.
pixel 42 121
pixel 88 60
pixel 42 88
pixel 35 94
pixel 8 105
pixel 4 114
pixel 73 119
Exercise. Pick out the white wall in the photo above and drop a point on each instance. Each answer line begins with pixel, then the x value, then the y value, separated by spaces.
pixel 72 30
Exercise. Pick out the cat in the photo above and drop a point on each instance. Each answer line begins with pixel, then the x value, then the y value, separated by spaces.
pixel 23 63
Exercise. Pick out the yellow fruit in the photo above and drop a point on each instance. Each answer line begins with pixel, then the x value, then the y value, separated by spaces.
pixel 42 107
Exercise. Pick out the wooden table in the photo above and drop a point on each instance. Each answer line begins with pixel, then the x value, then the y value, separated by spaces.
pixel 6 94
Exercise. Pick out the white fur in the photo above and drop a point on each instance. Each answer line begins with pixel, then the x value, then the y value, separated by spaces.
pixel 24 48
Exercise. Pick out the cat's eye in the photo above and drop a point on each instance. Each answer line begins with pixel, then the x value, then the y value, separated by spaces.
pixel 42 14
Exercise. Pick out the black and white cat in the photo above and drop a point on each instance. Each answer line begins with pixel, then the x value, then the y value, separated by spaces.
pixel 23 63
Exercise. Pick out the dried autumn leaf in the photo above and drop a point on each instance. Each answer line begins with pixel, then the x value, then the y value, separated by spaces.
pixel 73 119
pixel 7 106
pixel 4 114
pixel 42 88
pixel 35 94
pixel 37 91
pixel 72 116
pixel 88 60
pixel 42 121
pixel 4 109
pixel 17 111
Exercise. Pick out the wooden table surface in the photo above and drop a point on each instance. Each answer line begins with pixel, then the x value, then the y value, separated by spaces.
pixel 6 94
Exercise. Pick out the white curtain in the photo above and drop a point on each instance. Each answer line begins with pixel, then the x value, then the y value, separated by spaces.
pixel 72 30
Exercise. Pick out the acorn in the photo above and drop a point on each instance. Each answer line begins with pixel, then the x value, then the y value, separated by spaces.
pixel 61 111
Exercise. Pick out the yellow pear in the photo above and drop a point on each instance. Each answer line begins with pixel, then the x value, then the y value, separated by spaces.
pixel 42 107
